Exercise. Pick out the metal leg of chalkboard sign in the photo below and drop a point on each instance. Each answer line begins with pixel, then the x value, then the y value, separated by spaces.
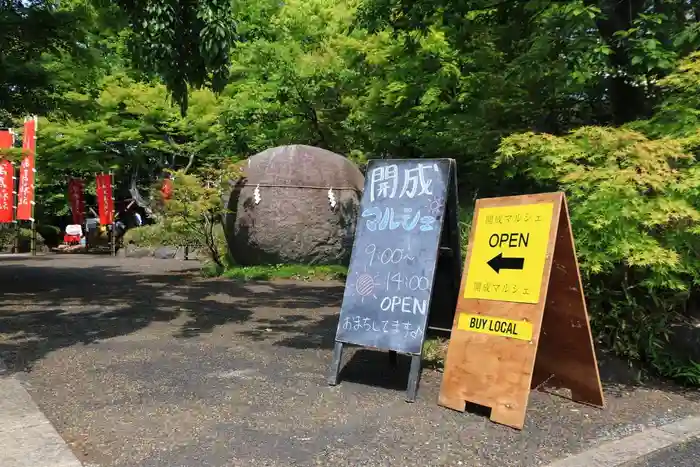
pixel 413 378
pixel 335 364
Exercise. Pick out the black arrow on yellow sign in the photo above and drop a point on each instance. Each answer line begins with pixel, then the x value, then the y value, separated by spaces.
pixel 498 262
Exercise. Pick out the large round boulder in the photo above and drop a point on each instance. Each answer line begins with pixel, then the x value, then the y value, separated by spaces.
pixel 281 212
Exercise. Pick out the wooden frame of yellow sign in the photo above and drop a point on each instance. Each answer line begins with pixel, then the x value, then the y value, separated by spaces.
pixel 521 318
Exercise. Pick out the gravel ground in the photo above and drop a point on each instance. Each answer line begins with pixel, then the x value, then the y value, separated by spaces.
pixel 137 362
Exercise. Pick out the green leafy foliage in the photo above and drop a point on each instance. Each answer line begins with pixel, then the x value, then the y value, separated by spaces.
pixel 185 43
pixel 130 124
pixel 289 82
pixel 678 114
pixel 633 197
pixel 130 130
pixel 8 239
pixel 151 236
pixel 34 35
pixel 280 271
pixel 51 235
pixel 598 56
pixel 600 98
pixel 193 214
pixel 636 219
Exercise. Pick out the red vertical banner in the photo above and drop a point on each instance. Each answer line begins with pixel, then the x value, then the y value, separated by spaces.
pixel 7 139
pixel 105 202
pixel 25 194
pixel 166 189
pixel 7 171
pixel 6 186
pixel 77 200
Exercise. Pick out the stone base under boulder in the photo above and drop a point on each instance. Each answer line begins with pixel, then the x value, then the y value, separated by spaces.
pixel 162 252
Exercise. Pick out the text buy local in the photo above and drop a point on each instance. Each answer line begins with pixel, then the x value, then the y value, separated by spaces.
pixel 495 326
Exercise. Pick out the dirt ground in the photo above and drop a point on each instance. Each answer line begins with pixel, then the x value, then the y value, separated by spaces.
pixel 138 362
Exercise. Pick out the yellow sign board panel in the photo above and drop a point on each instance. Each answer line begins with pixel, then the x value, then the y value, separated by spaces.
pixel 495 326
pixel 509 252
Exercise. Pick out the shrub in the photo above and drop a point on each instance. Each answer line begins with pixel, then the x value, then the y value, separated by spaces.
pixel 193 214
pixel 8 236
pixel 149 236
pixel 50 233
pixel 634 212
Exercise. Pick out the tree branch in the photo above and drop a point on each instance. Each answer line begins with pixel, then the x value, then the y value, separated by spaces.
pixel 189 163
pixel 136 194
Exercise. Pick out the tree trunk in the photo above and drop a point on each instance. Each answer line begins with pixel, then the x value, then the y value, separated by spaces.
pixel 136 196
pixel 628 102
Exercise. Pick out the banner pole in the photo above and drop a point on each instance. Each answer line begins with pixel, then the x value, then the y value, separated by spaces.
pixel 84 214
pixel 33 187
pixel 98 197
pixel 33 247
pixel 15 198
pixel 114 236
pixel 97 214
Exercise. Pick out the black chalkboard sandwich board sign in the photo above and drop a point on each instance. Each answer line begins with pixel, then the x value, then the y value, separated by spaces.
pixel 406 207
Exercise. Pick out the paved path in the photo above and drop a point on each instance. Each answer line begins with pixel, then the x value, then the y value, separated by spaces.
pixel 27 437
pixel 137 363
pixel 655 447
pixel 681 455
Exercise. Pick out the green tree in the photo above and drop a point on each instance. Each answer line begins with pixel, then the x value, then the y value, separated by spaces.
pixel 635 213
pixel 35 37
pixel 186 43
pixel 290 77
pixel 678 115
pixel 132 130
pixel 584 59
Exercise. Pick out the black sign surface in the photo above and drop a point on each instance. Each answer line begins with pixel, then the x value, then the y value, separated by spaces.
pixel 387 296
